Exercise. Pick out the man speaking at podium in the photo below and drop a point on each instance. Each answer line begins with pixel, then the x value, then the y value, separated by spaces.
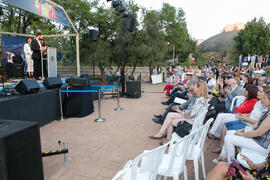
pixel 36 56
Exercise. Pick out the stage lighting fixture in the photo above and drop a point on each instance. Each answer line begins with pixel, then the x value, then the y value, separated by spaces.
pixel 116 3
pixel 118 6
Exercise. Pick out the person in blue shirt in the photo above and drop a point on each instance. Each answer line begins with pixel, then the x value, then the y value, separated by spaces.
pixel 240 60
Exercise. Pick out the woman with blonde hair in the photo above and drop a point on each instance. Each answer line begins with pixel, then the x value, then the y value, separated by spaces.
pixel 199 100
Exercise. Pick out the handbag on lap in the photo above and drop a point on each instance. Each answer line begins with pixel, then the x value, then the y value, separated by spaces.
pixel 183 128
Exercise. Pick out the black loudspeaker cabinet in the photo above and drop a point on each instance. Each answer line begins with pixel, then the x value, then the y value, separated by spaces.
pixel 133 89
pixel 78 82
pixel 20 151
pixel 130 23
pixel 19 70
pixel 27 86
pixel 52 82
pixel 85 76
pixel 93 34
pixel 17 59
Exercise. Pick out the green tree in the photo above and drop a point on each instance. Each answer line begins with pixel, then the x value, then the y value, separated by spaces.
pixel 174 24
pixel 154 38
pixel 255 38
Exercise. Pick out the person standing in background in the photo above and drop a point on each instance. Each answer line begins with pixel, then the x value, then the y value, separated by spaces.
pixel 178 72
pixel 212 61
pixel 193 60
pixel 109 75
pixel 253 59
pixel 240 60
pixel 159 69
pixel 28 56
pixel 169 72
pixel 248 59
pixel 45 58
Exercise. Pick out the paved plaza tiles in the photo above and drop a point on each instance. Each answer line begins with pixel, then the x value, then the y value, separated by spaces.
pixel 97 151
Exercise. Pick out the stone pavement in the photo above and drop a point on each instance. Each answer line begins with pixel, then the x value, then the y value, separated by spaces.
pixel 97 151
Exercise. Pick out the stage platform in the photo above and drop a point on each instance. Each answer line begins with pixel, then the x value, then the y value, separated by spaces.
pixel 41 107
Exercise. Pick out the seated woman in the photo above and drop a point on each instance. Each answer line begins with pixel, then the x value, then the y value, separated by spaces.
pixel 245 108
pixel 173 118
pixel 256 140
pixel 244 119
pixel 226 171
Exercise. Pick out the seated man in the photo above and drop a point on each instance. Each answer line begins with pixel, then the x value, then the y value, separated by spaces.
pixel 192 97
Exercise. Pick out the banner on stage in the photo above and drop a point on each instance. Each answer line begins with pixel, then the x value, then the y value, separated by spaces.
pixel 11 44
pixel 42 8
pixel 156 79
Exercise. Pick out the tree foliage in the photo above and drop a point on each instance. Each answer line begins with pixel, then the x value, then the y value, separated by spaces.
pixel 147 45
pixel 255 38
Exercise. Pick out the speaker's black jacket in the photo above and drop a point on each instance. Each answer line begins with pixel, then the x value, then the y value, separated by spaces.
pixel 36 50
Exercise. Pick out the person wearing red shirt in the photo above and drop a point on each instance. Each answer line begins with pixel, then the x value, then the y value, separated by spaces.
pixel 245 108
pixel 169 87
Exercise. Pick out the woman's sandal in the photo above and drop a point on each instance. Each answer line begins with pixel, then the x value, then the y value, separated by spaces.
pixel 156 138
pixel 216 160
pixel 217 150
pixel 210 136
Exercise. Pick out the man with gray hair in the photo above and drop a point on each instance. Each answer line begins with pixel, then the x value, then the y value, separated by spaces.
pixel 231 91
pixel 262 82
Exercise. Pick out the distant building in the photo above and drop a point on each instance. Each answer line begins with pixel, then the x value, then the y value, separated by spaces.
pixel 199 41
pixel 234 27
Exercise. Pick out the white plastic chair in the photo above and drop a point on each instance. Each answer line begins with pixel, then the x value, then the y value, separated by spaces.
pixel 239 100
pixel 254 156
pixel 150 161
pixel 173 164
pixel 196 150
pixel 121 175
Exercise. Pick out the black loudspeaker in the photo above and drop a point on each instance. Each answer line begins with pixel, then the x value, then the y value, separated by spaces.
pixel 20 151
pixel 85 76
pixel 52 82
pixel 19 70
pixel 78 82
pixel 93 34
pixel 130 23
pixel 27 86
pixel 134 89
pixel 17 59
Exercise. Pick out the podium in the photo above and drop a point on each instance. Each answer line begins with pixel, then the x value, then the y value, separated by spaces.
pixel 51 62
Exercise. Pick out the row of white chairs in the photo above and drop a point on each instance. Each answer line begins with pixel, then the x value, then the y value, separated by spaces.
pixel 156 163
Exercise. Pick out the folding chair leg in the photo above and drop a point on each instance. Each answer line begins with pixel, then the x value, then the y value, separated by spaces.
pixel 203 166
pixel 185 173
pixel 196 169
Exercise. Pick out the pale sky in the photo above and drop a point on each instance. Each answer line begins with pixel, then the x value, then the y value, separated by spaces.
pixel 206 18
